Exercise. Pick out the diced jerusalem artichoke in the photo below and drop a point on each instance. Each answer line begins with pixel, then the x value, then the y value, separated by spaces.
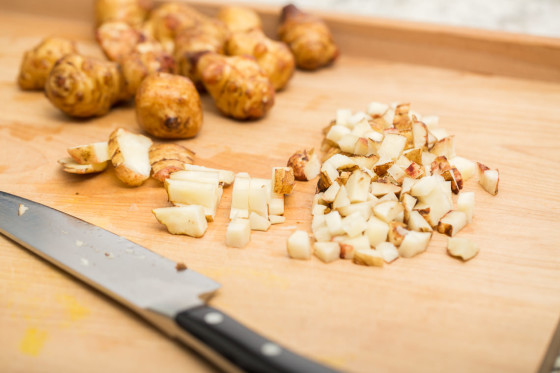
pixel 354 225
pixel 276 204
pixel 380 189
pixel 276 219
pixel 240 197
pixel 258 197
pixel 258 222
pixel 188 220
pixel 92 153
pixel 299 245
pixel 417 223
pixel 414 243
pixel 368 257
pixel 283 180
pixel 357 186
pixel 376 231
pixel 465 203
pixel 388 210
pixel 322 234
pixel 186 192
pixel 488 178
pixel 341 199
pixel 452 223
pixel 397 233
pixel 334 223
pixel 462 248
pixel 349 245
pixel 331 192
pixel 465 167
pixel 226 177
pixel 238 233
pixel 392 146
pixel 327 251
pixel 388 251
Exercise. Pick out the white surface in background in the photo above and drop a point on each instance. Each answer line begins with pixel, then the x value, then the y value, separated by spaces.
pixel 537 17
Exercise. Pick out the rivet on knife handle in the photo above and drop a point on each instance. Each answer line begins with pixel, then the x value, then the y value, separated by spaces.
pixel 241 346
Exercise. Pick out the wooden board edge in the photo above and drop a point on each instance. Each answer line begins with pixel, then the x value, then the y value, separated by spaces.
pixel 458 48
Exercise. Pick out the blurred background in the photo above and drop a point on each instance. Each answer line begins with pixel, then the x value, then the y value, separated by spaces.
pixel 536 17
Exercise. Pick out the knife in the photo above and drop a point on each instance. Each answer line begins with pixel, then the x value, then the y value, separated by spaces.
pixel 173 300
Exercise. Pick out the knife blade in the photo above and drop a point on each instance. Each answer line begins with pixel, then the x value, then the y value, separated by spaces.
pixel 147 283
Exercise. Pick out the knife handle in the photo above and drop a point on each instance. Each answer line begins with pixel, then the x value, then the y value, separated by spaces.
pixel 241 346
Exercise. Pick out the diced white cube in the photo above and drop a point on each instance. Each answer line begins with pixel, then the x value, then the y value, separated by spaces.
pixel 327 251
pixel 299 245
pixel 388 251
pixel 354 225
pixel 368 257
pixel 376 231
pixel 465 203
pixel 238 233
pixel 258 222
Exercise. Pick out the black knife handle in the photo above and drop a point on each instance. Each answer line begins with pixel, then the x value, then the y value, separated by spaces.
pixel 240 345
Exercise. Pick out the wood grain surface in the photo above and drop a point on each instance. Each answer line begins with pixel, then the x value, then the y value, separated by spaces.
pixel 498 312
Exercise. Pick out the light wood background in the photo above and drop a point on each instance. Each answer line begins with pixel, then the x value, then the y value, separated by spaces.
pixel 498 312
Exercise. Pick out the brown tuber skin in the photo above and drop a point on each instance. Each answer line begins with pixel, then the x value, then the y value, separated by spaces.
pixel 239 19
pixel 237 84
pixel 137 54
pixel 117 39
pixel 38 62
pixel 308 38
pixel 145 59
pixel 297 162
pixel 168 106
pixel 192 42
pixel 168 158
pixel 274 57
pixel 84 87
pixel 168 19
pixel 133 12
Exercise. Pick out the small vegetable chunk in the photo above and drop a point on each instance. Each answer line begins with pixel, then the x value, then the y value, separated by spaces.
pixel 168 158
pixel 388 251
pixel 488 178
pixel 258 222
pixel 465 203
pixel 452 223
pixel 74 167
pixel 327 251
pixel 306 164
pixel 283 181
pixel 462 248
pixel 238 233
pixel 414 243
pixel 368 257
pixel 299 245
pixel 188 220
pixel 92 153
pixel 129 154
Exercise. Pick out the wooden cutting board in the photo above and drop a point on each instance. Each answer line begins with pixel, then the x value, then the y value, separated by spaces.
pixel 498 312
